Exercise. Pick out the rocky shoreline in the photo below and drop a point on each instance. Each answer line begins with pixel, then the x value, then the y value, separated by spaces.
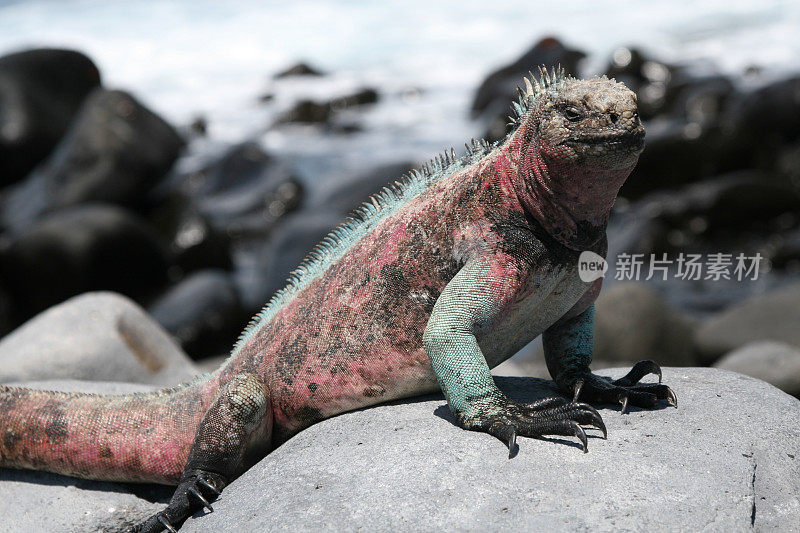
pixel 121 262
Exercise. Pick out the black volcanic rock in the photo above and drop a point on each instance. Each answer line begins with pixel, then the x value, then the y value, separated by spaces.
pixel 245 190
pixel 307 112
pixel 79 249
pixel 203 312
pixel 346 193
pixel 501 85
pixel 762 124
pixel 299 69
pixel 312 112
pixel 195 243
pixel 677 152
pixel 114 152
pixel 41 90
pixel 648 77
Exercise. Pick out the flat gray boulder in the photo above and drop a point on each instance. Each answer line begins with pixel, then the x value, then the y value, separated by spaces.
pixel 97 336
pixel 726 460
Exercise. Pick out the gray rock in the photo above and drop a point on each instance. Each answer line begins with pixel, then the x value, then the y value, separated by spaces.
pixel 725 460
pixel 633 322
pixel 40 501
pixel 97 336
pixel 776 363
pixel 773 316
pixel 210 364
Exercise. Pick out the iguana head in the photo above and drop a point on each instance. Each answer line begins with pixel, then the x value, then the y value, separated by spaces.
pixel 575 143
pixel 592 123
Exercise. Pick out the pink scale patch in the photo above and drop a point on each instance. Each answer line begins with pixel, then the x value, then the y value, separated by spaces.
pixel 389 251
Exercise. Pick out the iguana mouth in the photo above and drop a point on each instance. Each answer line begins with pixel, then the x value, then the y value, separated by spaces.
pixel 627 139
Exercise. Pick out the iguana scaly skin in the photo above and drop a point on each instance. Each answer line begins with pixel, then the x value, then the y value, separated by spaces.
pixel 433 282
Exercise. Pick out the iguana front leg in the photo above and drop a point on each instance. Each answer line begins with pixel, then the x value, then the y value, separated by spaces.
pixel 568 352
pixel 238 417
pixel 476 298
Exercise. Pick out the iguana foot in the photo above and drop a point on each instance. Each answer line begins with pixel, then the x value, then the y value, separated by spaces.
pixel 193 493
pixel 506 419
pixel 627 389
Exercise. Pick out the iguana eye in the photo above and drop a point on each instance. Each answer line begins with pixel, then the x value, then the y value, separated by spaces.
pixel 573 114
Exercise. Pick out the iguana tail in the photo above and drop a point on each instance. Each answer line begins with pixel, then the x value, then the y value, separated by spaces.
pixel 136 437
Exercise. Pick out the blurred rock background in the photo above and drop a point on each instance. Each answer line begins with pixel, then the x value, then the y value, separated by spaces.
pixel 188 155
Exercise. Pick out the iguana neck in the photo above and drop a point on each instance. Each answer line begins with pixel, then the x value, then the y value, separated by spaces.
pixel 571 203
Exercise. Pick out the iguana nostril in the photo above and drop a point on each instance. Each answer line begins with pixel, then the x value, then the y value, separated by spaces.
pixel 614 117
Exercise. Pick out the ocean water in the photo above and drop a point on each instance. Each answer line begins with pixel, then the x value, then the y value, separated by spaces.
pixel 188 58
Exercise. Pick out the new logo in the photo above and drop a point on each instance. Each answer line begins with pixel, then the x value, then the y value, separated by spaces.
pixel 591 266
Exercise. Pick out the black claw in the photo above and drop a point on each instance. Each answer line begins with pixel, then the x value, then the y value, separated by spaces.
pixel 194 492
pixel 587 407
pixel 624 402
pixel 209 486
pixel 642 368
pixel 578 387
pixel 671 398
pixel 512 442
pixel 599 424
pixel 652 368
pixel 657 371
pixel 594 418
pixel 164 522
pixel 581 434
pixel 639 370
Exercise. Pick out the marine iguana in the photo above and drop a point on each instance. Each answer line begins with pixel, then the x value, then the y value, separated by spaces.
pixel 431 283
